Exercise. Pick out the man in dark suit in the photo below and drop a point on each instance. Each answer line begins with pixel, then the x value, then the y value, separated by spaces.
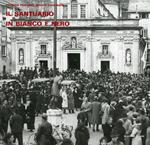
pixel 21 110
pixel 30 113
pixel 45 131
pixel 45 127
pixel 5 115
pixel 16 125
pixel 82 134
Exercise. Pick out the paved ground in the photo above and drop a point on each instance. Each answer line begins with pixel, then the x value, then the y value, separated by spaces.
pixel 68 119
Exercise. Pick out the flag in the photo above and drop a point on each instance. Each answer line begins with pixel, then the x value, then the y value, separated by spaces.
pixel 144 57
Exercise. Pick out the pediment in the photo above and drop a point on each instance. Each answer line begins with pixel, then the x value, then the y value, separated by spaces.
pixel 105 56
pixel 43 40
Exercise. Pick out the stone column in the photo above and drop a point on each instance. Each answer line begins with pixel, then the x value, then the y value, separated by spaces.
pixel 120 54
pixel 136 55
pixel 58 65
pixel 13 53
pixel 94 52
pixel 28 52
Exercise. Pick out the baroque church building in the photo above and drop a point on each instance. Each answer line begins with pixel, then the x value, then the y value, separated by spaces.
pixel 98 38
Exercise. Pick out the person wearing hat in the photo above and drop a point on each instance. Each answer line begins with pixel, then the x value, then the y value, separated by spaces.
pixel 44 133
pixel 144 123
pixel 115 139
pixel 21 110
pixel 45 127
pixel 30 115
pixel 105 118
pixel 148 135
pixel 82 134
pixel 95 109
pixel 16 125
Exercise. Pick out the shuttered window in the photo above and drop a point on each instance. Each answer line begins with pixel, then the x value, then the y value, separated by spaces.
pixel 83 11
pixel 3 50
pixel 43 49
pixel 65 11
pixel 148 55
pixel 74 9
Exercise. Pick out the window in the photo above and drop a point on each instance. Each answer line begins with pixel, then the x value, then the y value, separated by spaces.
pixel 21 56
pixel 105 49
pixel 74 9
pixel 3 50
pixel 83 11
pixel 65 11
pixel 43 49
pixel 4 69
pixel 148 55
pixel 144 15
pixel 144 33
pixel 4 10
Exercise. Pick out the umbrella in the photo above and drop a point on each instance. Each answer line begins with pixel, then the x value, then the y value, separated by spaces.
pixel 68 82
pixel 38 80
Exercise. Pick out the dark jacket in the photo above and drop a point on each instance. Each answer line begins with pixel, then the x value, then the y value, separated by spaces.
pixel 30 110
pixel 45 128
pixel 6 113
pixel 21 110
pixel 120 130
pixel 82 135
pixel 16 123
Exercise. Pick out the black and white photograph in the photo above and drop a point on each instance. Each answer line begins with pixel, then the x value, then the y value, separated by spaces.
pixel 74 72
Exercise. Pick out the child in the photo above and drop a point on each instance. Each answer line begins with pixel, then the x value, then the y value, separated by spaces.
pixel 103 141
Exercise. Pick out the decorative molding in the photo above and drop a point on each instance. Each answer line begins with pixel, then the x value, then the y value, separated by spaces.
pixel 13 39
pixel 28 38
pixel 103 42
pixel 128 42
pixel 35 38
pixel 136 38
pixel 102 56
pixel 23 42
pixel 43 40
pixel 67 46
pixel 120 38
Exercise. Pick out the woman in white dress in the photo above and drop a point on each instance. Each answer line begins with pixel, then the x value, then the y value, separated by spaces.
pixel 136 133
pixel 64 99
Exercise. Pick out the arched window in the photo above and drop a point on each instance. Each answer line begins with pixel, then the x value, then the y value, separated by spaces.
pixel 21 56
pixel 74 9
pixel 128 56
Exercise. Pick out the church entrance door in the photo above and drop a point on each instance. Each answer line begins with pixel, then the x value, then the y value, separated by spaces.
pixel 43 64
pixel 74 61
pixel 105 65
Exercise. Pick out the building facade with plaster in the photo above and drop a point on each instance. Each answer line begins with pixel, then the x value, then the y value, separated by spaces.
pixel 95 40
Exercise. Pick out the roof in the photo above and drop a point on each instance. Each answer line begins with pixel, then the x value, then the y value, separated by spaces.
pixel 109 13
pixel 139 6
pixel 8 81
pixel 109 1
pixel 123 3
pixel 10 3
pixel 38 80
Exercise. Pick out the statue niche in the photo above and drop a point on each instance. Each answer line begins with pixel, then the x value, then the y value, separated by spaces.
pixel 73 42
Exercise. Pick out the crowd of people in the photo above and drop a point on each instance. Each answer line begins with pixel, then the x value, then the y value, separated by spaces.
pixel 119 102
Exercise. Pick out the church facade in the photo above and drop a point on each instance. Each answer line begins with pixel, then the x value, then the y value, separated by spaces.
pixel 95 40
